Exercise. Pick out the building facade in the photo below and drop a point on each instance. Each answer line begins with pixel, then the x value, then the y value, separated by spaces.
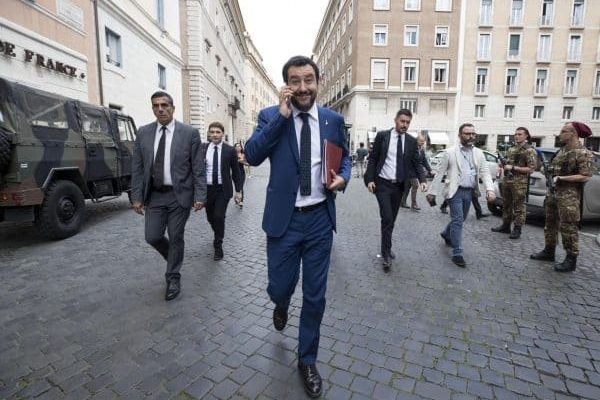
pixel 140 53
pixel 50 45
pixel 260 90
pixel 214 48
pixel 530 63
pixel 378 56
pixel 499 64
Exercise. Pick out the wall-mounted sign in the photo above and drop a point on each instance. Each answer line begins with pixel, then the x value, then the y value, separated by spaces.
pixel 39 60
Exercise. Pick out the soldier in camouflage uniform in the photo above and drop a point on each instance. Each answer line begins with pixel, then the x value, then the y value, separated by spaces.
pixel 570 168
pixel 520 162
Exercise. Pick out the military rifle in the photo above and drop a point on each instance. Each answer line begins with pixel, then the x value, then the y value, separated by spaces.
pixel 503 163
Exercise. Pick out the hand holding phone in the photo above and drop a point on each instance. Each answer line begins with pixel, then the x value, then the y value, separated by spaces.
pixel 285 96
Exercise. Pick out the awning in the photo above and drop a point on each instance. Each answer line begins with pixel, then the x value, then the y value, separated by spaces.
pixel 438 137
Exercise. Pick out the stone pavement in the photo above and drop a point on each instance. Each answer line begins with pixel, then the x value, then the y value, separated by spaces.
pixel 85 317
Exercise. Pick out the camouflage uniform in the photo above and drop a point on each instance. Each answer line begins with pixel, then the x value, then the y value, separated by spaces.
pixel 514 187
pixel 565 204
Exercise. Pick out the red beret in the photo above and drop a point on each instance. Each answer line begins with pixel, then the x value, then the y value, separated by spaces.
pixel 582 129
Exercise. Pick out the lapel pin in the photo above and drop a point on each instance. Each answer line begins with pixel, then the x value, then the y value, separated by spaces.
pixel 326 122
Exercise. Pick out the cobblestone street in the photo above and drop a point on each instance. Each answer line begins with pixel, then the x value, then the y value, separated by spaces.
pixel 86 316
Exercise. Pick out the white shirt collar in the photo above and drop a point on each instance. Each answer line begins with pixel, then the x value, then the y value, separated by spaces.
pixel 313 112
pixel 220 145
pixel 398 133
pixel 170 126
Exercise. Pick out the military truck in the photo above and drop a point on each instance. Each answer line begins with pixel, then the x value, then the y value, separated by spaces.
pixel 55 152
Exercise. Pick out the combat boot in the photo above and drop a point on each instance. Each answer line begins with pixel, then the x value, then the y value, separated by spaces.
pixel 504 228
pixel 545 255
pixel 516 232
pixel 568 265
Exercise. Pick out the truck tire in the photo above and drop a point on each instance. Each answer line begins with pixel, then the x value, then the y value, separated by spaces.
pixel 4 150
pixel 62 212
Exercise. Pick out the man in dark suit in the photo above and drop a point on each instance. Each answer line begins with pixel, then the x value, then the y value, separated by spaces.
pixel 395 158
pixel 221 167
pixel 299 216
pixel 167 180
pixel 412 185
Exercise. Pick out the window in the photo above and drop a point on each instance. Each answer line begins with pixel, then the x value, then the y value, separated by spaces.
pixel 411 35
pixel 571 82
pixel 443 5
pixel 350 45
pixel 516 12
pixel 547 12
pixel 541 81
pixel 544 48
pixel 380 35
pixel 409 71
pixel 441 36
pixel 595 113
pixel 479 110
pixel 481 81
pixel 483 46
pixel 45 110
pixel 574 51
pixel 113 48
pixel 577 16
pixel 350 11
pixel 567 112
pixel 514 46
pixel 409 105
pixel 160 13
pixel 485 12
pixel 509 111
pixel 343 23
pixel 94 120
pixel 538 112
pixel 440 71
pixel 378 106
pixel 597 84
pixel 349 75
pixel 511 81
pixel 337 35
pixel 381 4
pixel 379 72
pixel 162 77
pixel 412 5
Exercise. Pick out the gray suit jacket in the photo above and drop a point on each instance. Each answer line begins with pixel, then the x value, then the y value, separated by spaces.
pixel 187 165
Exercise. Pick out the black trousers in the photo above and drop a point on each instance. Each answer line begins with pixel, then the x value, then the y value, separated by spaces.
pixel 216 207
pixel 389 196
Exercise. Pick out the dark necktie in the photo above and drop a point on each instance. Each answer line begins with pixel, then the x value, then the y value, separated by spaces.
pixel 305 177
pixel 158 173
pixel 399 161
pixel 215 166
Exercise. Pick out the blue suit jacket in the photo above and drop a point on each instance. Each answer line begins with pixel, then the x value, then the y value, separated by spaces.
pixel 275 138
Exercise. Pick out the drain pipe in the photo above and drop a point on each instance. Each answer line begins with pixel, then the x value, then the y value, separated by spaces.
pixel 98 54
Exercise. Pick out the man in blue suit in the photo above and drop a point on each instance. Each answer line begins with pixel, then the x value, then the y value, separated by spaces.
pixel 299 216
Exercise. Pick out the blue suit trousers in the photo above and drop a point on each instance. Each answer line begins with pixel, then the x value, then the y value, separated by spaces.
pixel 307 241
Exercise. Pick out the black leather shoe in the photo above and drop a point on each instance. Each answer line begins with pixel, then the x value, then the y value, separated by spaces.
pixel 444 210
pixel 459 260
pixel 547 254
pixel 313 385
pixel 218 254
pixel 415 208
pixel 483 215
pixel 516 233
pixel 504 228
pixel 280 317
pixel 446 240
pixel 387 264
pixel 173 289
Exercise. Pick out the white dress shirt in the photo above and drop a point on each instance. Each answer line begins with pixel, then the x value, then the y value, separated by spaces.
pixel 317 191
pixel 167 181
pixel 209 163
pixel 388 171
pixel 468 171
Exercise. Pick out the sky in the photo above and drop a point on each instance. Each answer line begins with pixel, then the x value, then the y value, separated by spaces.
pixel 281 29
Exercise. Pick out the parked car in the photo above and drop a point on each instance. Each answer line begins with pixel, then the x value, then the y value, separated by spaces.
pixel 537 189
pixel 491 159
pixel 55 152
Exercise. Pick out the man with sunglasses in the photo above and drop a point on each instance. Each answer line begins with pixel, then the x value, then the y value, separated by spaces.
pixel 463 166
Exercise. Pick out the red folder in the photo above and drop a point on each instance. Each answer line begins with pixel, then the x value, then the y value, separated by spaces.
pixel 332 160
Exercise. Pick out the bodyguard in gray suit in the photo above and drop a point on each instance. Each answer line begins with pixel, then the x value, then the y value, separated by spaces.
pixel 168 179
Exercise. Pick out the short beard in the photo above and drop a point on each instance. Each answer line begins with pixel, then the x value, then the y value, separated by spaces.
pixel 303 109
